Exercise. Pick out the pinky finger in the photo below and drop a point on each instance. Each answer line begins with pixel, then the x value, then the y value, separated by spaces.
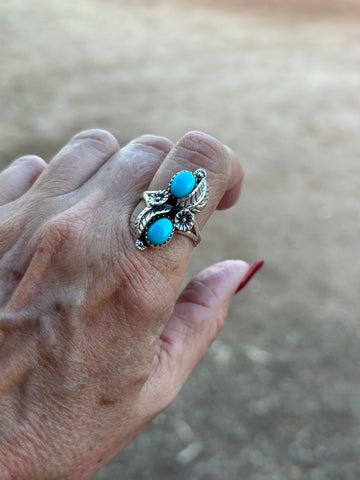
pixel 19 176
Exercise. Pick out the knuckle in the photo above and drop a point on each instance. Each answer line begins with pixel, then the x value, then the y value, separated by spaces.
pixel 35 163
pixel 205 150
pixel 156 142
pixel 98 136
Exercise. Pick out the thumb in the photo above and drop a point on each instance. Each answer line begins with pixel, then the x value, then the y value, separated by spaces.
pixel 198 317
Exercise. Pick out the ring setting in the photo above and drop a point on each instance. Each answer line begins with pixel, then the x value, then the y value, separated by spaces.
pixel 172 210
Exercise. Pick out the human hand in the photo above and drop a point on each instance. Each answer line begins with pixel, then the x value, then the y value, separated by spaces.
pixel 94 341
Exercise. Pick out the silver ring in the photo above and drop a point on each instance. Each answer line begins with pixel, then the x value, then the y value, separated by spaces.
pixel 172 210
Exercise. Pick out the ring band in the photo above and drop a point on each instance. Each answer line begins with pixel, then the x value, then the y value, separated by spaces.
pixel 172 210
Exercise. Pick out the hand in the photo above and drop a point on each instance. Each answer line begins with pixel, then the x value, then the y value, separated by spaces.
pixel 94 342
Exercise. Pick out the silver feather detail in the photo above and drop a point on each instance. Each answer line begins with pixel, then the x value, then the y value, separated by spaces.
pixel 196 200
pixel 147 215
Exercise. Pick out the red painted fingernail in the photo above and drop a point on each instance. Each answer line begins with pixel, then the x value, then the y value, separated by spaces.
pixel 255 267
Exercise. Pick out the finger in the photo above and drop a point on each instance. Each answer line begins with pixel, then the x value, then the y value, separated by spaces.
pixel 230 198
pixel 129 172
pixel 78 161
pixel 224 177
pixel 198 317
pixel 19 176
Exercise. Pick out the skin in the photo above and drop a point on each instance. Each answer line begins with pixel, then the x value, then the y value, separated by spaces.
pixel 95 339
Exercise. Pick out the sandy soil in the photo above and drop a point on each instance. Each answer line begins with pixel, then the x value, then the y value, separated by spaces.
pixel 278 395
pixel 318 10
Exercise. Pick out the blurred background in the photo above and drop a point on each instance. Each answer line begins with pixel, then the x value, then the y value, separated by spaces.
pixel 278 394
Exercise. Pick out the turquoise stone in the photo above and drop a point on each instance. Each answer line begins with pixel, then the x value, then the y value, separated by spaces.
pixel 160 231
pixel 183 184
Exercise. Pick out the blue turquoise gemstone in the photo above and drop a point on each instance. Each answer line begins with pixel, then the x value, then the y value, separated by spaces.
pixel 160 231
pixel 183 184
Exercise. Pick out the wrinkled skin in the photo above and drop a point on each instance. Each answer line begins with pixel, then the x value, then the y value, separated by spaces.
pixel 95 340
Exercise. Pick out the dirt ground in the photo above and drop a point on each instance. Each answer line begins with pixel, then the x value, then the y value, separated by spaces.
pixel 278 395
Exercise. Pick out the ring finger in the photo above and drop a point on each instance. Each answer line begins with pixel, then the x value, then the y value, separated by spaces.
pixel 224 177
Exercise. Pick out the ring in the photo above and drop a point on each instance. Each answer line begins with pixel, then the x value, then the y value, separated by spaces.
pixel 172 210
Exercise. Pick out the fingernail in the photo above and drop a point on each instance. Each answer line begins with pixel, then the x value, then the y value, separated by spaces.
pixel 255 267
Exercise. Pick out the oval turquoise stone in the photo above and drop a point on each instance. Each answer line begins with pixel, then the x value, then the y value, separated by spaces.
pixel 183 184
pixel 160 231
